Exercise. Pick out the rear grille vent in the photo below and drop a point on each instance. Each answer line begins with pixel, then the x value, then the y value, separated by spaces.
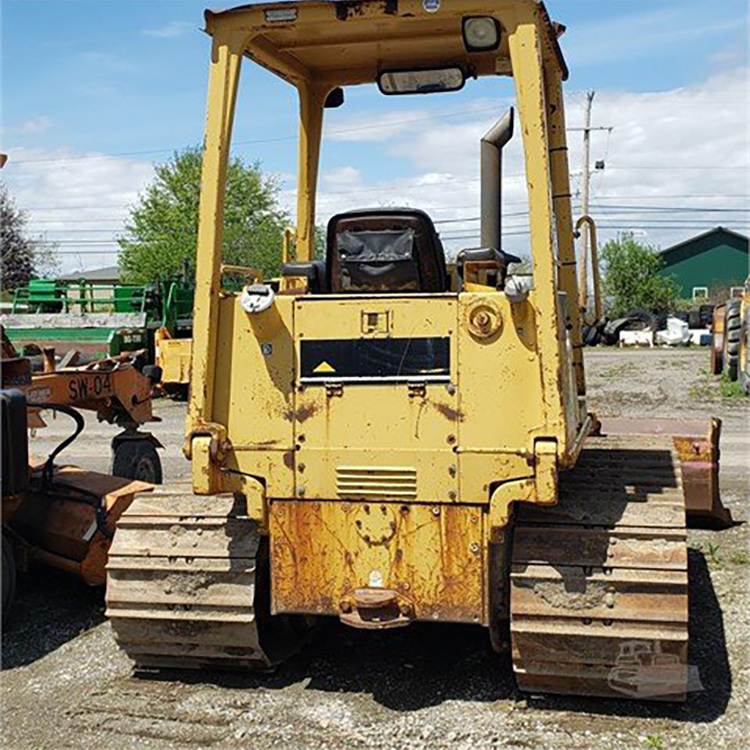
pixel 382 482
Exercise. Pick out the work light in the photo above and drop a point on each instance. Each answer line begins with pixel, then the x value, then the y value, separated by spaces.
pixel 481 34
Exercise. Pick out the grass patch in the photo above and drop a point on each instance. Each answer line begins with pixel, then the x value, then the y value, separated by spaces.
pixel 708 388
pixel 702 391
pixel 654 742
pixel 712 553
pixel 739 558
pixel 729 388
pixel 619 371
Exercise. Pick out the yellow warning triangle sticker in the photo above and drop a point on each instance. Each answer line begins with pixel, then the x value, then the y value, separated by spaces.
pixel 324 367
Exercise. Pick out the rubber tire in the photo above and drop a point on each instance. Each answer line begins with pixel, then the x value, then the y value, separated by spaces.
pixel 9 577
pixel 590 335
pixel 641 316
pixel 137 459
pixel 732 335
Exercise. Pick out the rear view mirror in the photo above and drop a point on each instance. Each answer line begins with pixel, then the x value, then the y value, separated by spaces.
pixel 421 81
pixel 335 98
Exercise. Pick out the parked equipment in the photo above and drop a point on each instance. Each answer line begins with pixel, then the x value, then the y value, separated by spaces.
pixel 383 442
pixel 97 319
pixel 730 332
pixel 54 515
pixel 118 389
pixel 60 515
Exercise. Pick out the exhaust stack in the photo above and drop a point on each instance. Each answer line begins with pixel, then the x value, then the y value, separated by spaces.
pixel 492 145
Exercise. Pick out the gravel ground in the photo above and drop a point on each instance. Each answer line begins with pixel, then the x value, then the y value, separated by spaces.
pixel 65 684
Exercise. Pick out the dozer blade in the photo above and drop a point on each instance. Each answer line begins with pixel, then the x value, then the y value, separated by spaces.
pixel 599 584
pixel 187 585
pixel 695 447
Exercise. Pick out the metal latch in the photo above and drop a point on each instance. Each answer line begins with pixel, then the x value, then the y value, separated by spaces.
pixel 417 390
pixel 334 389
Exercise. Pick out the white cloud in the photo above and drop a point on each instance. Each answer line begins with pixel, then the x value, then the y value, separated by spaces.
pixel 34 126
pixel 170 30
pixel 342 177
pixel 665 145
pixel 80 203
pixel 658 140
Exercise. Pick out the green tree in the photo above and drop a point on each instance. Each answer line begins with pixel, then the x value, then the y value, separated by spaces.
pixel 162 230
pixel 632 279
pixel 21 256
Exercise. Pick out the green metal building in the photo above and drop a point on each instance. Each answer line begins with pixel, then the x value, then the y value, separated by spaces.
pixel 711 262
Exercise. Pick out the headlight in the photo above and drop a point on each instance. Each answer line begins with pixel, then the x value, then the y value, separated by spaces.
pixel 481 34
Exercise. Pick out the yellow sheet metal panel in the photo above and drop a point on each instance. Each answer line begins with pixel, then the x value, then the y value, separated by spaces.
pixel 274 467
pixel 478 472
pixel 378 417
pixel 388 474
pixel 254 392
pixel 174 360
pixel 343 316
pixel 393 432
pixel 499 386
pixel 431 555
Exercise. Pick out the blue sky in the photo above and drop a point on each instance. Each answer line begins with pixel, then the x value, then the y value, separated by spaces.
pixel 128 78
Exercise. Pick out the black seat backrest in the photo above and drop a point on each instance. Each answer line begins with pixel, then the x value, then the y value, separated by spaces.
pixel 384 250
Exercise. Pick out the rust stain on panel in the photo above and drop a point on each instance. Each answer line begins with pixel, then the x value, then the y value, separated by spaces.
pixel 301 414
pixel 454 415
pixel 323 552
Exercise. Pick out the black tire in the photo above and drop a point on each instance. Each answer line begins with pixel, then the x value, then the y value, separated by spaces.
pixel 661 321
pixel 611 331
pixel 590 335
pixel 137 459
pixel 640 320
pixel 694 319
pixel 593 337
pixel 732 335
pixel 9 577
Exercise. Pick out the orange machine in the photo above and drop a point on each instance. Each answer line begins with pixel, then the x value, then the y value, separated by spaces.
pixel 61 515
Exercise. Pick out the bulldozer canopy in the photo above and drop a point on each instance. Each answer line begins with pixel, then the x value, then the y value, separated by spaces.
pixel 353 41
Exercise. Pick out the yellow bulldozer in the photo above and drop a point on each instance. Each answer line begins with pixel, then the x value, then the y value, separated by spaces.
pixel 384 437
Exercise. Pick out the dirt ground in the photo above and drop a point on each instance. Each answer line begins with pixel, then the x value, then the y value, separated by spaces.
pixel 65 684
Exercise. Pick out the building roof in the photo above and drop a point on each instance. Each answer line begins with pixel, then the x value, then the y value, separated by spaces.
pixel 715 230
pixel 108 273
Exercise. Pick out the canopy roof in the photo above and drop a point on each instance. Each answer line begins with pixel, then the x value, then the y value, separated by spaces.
pixel 346 42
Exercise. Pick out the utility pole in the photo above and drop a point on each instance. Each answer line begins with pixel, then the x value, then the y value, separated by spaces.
pixel 585 181
pixel 585 191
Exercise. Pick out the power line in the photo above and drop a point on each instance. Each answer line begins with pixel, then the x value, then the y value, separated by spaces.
pixel 660 196
pixel 277 139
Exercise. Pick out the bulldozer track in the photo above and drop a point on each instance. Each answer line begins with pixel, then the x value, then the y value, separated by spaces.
pixel 185 585
pixel 599 582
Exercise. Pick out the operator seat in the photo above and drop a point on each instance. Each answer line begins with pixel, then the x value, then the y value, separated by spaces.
pixel 381 250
